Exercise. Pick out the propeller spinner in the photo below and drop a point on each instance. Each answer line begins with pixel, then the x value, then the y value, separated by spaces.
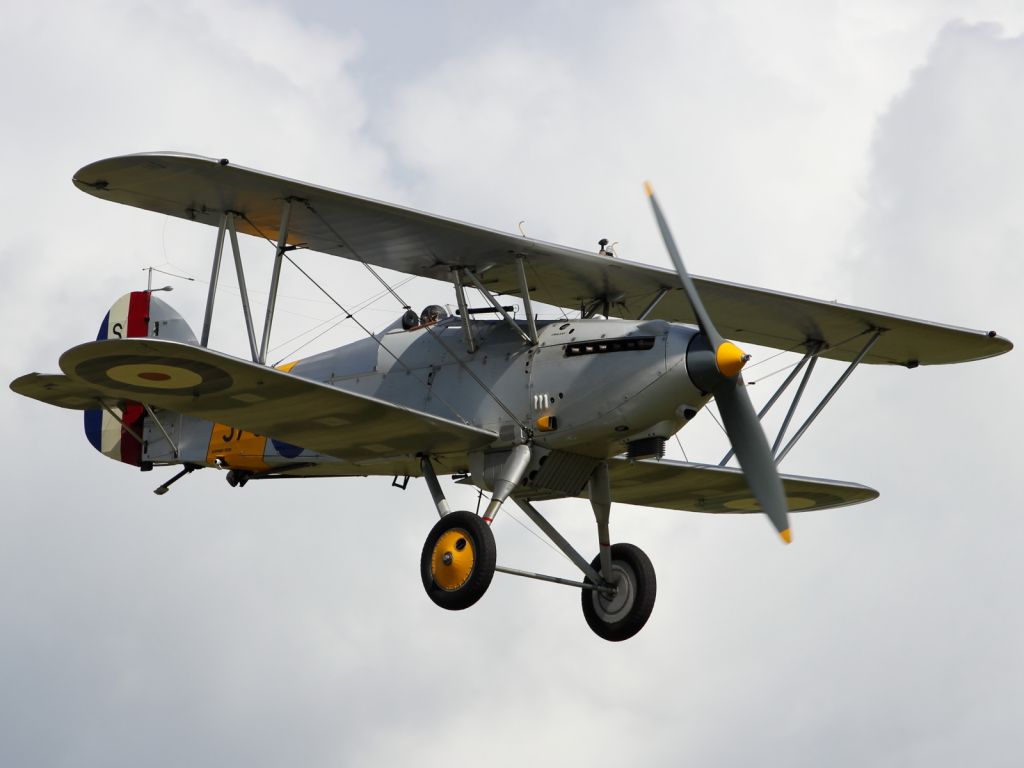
pixel 715 367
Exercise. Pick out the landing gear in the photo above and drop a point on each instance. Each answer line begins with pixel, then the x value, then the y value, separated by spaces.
pixel 621 614
pixel 458 560
pixel 459 556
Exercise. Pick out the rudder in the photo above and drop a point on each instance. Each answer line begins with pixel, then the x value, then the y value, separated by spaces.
pixel 138 314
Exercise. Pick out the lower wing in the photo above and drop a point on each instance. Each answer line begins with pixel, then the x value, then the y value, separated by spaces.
pixel 720 490
pixel 199 382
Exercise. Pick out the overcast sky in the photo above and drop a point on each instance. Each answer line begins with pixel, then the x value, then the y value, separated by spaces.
pixel 859 152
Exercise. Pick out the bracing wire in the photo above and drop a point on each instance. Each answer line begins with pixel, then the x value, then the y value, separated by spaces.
pixel 680 444
pixel 712 415
pixel 333 321
pixel 793 348
pixel 367 331
pixel 431 330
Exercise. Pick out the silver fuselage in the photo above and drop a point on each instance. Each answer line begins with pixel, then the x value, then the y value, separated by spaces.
pixel 587 374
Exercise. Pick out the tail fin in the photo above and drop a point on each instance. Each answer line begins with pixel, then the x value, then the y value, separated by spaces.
pixel 141 314
pixel 137 314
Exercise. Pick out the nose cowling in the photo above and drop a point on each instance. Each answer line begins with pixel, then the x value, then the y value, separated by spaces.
pixel 708 367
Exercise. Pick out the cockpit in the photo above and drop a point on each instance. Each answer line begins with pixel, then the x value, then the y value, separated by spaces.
pixel 432 313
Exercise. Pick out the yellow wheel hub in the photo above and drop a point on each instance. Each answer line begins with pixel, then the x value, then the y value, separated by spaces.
pixel 452 561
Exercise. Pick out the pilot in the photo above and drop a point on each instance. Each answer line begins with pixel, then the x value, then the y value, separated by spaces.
pixel 410 320
pixel 432 314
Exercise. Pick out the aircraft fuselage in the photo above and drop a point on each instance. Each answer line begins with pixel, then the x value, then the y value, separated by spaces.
pixel 580 382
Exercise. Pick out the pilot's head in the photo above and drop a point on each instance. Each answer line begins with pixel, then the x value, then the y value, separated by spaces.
pixel 432 314
pixel 410 319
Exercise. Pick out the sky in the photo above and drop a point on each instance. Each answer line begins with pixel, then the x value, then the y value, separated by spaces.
pixel 866 153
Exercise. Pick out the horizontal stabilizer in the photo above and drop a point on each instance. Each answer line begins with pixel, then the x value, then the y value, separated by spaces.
pixel 58 389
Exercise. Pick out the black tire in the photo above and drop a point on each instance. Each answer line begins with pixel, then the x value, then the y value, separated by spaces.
pixel 458 560
pixel 623 615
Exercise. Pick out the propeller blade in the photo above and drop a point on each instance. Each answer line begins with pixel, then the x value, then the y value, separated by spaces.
pixel 752 451
pixel 724 382
pixel 703 319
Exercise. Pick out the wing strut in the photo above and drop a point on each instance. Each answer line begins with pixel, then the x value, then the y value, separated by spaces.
pixel 282 246
pixel 524 289
pixel 460 297
pixel 211 295
pixel 793 406
pixel 654 303
pixel 497 306
pixel 813 350
pixel 227 224
pixel 246 311
pixel 824 401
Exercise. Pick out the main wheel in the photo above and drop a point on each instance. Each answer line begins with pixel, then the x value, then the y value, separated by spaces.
pixel 458 560
pixel 621 615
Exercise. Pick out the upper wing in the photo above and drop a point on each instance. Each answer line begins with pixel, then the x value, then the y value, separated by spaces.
pixel 722 490
pixel 210 385
pixel 202 189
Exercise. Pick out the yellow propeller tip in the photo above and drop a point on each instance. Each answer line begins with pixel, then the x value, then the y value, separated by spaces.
pixel 787 536
pixel 648 189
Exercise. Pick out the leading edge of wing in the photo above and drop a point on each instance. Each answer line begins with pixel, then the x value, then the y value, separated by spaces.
pixel 211 385
pixel 720 490
pixel 202 189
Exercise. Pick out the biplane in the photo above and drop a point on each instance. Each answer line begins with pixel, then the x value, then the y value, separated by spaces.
pixel 525 409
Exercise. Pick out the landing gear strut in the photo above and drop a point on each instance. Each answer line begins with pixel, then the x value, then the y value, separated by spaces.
pixel 459 555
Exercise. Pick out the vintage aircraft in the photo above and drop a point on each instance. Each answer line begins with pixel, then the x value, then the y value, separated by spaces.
pixel 526 409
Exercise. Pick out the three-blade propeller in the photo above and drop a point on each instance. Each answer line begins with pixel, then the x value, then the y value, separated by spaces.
pixel 715 367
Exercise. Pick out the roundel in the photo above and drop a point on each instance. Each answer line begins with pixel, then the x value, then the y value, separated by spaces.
pixel 749 504
pixel 163 375
pixel 287 450
pixel 155 376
